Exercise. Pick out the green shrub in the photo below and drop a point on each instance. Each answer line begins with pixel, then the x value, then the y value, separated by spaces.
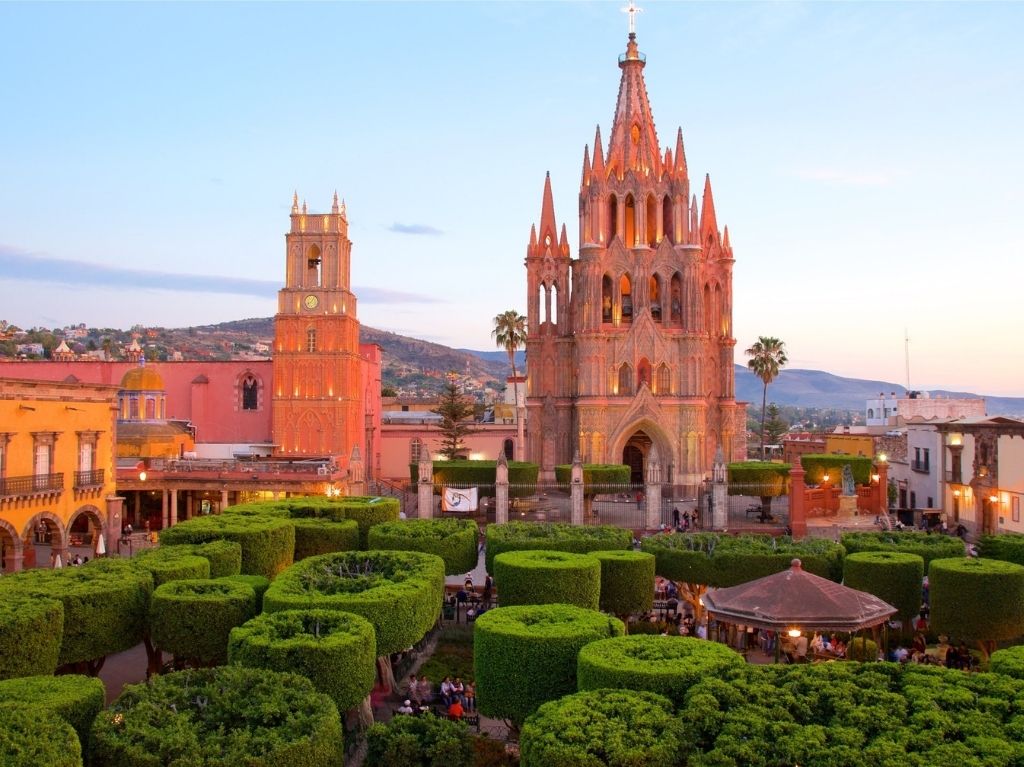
pixel 412 741
pixel 324 536
pixel 268 543
pixel 926 546
pixel 257 583
pixel 979 599
pixel 30 634
pixel 368 511
pixel 75 699
pixel 1009 661
pixel 892 576
pixel 758 478
pixel 106 604
pixel 525 656
pixel 666 665
pixel 399 592
pixel 225 557
pixel 603 727
pixel 548 577
pixel 817 465
pixel 522 476
pixel 220 717
pixel 862 649
pixel 722 560
pixel 597 477
pixel 193 619
pixel 167 563
pixel 627 581
pixel 33 738
pixel 1008 547
pixel 576 539
pixel 336 651
pixel 454 540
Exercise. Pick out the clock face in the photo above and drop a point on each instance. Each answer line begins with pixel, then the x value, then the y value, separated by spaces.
pixel 311 302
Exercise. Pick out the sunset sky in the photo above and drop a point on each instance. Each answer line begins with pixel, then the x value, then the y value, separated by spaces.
pixel 867 158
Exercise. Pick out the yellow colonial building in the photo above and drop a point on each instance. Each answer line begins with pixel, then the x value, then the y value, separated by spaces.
pixel 57 471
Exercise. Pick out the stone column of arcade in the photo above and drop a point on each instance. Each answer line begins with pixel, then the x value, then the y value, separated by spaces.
pixel 882 469
pixel 797 499
pixel 115 521
pixel 501 490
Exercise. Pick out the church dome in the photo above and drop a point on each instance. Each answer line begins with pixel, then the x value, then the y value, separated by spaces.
pixel 142 379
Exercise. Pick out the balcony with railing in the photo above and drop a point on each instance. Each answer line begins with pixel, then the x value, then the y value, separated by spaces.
pixel 923 467
pixel 88 480
pixel 33 484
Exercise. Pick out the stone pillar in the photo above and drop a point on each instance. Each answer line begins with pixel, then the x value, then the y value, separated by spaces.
pixel 115 521
pixel 501 490
pixel 425 489
pixel 883 488
pixel 356 474
pixel 652 492
pixel 797 502
pixel 576 491
pixel 223 500
pixel 164 511
pixel 190 510
pixel 719 492
pixel 174 507
pixel 137 513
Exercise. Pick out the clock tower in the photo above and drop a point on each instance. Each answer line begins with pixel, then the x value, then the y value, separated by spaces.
pixel 318 405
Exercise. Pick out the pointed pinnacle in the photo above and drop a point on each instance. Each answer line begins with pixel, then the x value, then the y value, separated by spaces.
pixel 598 154
pixel 586 166
pixel 334 205
pixel 295 202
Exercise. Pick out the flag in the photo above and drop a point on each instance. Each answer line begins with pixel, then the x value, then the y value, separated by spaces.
pixel 459 499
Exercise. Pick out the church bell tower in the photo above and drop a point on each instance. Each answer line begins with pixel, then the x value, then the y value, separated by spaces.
pixel 317 403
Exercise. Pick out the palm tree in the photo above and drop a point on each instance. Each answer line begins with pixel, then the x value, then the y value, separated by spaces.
pixel 767 357
pixel 510 334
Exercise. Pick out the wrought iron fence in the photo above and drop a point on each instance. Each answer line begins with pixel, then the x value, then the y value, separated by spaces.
pixel 33 483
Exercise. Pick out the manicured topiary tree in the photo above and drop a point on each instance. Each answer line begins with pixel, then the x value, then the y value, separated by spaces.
pixel 523 536
pixel 1009 662
pixel 257 583
pixel 106 604
pixel 524 656
pixel 1008 547
pixel 193 619
pixel 399 592
pixel 454 540
pixel 30 738
pixel 603 727
pixel 268 543
pixel 522 476
pixel 334 650
pixel 410 741
pixel 816 466
pixel 74 698
pixel 223 558
pixel 548 577
pixel 368 511
pixel 862 649
pixel 978 599
pixel 323 536
pixel 627 582
pixel 928 547
pixel 30 635
pixel 230 716
pixel 168 563
pixel 696 561
pixel 597 478
pixel 892 576
pixel 666 665
pixel 765 480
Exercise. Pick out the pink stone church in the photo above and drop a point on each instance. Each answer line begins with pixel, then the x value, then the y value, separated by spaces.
pixel 630 348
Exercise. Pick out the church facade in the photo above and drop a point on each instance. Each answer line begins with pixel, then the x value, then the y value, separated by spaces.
pixel 630 350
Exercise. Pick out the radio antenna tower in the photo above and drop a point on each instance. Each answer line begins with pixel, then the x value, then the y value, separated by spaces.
pixel 906 354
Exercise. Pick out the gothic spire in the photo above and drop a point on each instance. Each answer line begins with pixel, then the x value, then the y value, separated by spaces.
pixel 547 213
pixel 598 154
pixel 634 140
pixel 563 242
pixel 586 167
pixel 694 227
pixel 680 156
pixel 295 202
pixel 334 205
pixel 708 224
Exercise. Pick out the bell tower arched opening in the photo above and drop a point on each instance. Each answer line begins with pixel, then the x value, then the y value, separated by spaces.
pixel 635 455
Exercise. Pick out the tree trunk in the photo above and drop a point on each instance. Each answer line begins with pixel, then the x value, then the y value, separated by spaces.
pixel 520 426
pixel 764 401
pixel 385 674
pixel 364 713
pixel 154 658
pixel 691 593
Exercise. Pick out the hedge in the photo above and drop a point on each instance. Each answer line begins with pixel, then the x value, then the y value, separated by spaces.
pixel 224 558
pixel 816 465
pixel 268 543
pixel 666 665
pixel 603 727
pixel 722 560
pixel 926 546
pixel 193 619
pixel 627 581
pixel 222 717
pixel 75 699
pixel 30 634
pixel 548 577
pixel 980 599
pixel 758 478
pixel 257 583
pixel 410 741
pixel 892 576
pixel 1009 661
pixel 31 738
pixel 166 564
pixel 597 477
pixel 323 536
pixel 862 649
pixel 522 476
pixel 1009 547
pixel 853 714
pixel 106 604
pixel 368 511
pixel 525 656
pixel 399 592
pixel 454 540
pixel 336 651
pixel 552 536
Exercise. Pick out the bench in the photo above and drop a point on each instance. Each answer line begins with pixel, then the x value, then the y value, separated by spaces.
pixel 754 510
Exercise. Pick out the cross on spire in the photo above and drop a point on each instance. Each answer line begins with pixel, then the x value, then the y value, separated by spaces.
pixel 632 9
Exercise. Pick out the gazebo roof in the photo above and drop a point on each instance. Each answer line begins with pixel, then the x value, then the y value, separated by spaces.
pixel 797 599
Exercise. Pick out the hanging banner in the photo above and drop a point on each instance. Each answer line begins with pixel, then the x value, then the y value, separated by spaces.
pixel 459 499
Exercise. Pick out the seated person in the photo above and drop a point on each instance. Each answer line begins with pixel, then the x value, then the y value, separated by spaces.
pixel 455 710
pixel 470 696
pixel 900 655
pixel 406 707
pixel 426 691
pixel 817 643
pixel 447 694
pixel 458 689
pixel 839 648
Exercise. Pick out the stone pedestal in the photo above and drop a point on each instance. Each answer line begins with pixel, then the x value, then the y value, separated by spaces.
pixel 847 505
pixel 425 490
pixel 576 501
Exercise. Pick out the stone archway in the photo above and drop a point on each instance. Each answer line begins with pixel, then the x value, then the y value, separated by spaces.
pixel 641 445
pixel 44 538
pixel 85 527
pixel 11 548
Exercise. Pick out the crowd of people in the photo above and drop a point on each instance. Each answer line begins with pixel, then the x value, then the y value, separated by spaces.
pixel 456 697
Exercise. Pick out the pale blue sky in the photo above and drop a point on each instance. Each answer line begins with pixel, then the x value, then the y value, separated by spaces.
pixel 867 157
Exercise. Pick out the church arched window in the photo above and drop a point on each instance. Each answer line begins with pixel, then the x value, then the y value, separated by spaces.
pixel 150 409
pixel 625 380
pixel 509 449
pixel 606 299
pixel 676 301
pixel 310 339
pixel 250 393
pixel 664 380
pixel 643 374
pixel 613 217
pixel 553 318
pixel 313 267
pixel 652 221
pixel 667 224
pixel 630 222
pixel 626 294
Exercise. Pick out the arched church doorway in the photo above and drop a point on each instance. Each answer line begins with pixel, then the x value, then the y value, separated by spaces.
pixel 634 455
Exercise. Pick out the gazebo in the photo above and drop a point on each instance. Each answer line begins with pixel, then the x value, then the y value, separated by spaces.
pixel 797 601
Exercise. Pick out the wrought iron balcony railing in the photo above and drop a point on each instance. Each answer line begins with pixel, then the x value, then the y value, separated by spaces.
pixel 31 485
pixel 85 479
